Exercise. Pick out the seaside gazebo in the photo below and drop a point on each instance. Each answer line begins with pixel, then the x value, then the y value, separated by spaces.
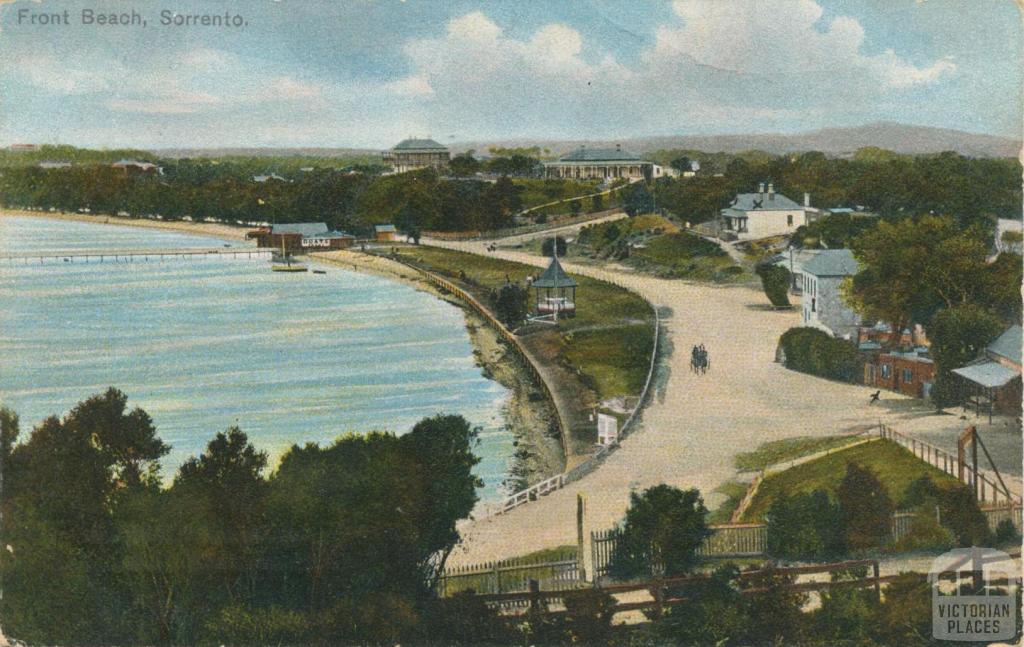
pixel 555 291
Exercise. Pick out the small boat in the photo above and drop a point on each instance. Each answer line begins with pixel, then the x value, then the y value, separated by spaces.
pixel 319 272
pixel 284 263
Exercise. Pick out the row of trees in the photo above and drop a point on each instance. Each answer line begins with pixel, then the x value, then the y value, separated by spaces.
pixel 340 544
pixel 820 525
pixel 346 200
pixel 971 190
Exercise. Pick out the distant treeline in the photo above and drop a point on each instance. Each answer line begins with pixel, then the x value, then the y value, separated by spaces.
pixel 349 198
pixel 355 197
pixel 972 190
pixel 340 544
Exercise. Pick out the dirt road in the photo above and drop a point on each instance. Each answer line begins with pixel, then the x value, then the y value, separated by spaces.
pixel 696 424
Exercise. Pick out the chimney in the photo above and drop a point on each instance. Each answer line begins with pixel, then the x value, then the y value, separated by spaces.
pixel 807 199
pixel 760 188
pixel 771 191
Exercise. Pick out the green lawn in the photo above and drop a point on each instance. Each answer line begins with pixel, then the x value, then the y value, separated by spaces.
pixel 787 449
pixel 894 466
pixel 734 492
pixel 684 255
pixel 602 352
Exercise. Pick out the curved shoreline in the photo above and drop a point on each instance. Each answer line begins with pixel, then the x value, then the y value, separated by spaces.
pixel 536 456
pixel 212 229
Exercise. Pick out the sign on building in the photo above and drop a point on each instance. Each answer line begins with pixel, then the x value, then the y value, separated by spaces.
pixel 607 429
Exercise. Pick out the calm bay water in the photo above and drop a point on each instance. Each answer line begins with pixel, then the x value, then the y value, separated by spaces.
pixel 205 344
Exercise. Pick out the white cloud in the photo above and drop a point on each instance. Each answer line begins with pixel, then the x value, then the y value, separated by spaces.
pixel 721 63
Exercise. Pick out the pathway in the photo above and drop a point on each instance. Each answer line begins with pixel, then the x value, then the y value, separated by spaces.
pixel 696 423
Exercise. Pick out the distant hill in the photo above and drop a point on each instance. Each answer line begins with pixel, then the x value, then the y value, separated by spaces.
pixel 838 142
pixel 265 152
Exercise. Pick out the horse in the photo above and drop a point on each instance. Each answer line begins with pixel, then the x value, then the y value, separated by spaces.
pixel 699 361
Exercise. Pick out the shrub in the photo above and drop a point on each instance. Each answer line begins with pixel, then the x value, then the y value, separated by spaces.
pixel 813 351
pixel 510 303
pixel 866 508
pixel 775 281
pixel 1006 533
pixel 713 613
pixel 805 526
pixel 663 528
pixel 926 533
pixel 558 242
pixel 958 509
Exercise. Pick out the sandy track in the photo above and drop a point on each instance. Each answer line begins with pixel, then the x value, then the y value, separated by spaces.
pixel 696 424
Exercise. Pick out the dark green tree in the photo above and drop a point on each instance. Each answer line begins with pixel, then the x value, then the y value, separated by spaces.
pixel 511 304
pixel 805 526
pixel 958 336
pixel 775 281
pixel 660 534
pixel 464 164
pixel 551 244
pixel 866 508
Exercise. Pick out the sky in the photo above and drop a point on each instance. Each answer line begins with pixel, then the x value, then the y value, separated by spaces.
pixel 368 73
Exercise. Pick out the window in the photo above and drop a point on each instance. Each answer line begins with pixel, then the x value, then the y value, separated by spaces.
pixel 886 371
pixel 789 220
pixel 814 304
pixel 908 376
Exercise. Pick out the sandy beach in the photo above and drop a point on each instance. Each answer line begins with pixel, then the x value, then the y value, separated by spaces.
pixel 216 230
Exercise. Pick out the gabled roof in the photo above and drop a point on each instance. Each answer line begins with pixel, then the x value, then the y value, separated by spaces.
pixel 306 229
pixel 418 144
pixel 1007 345
pixel 383 229
pixel 762 202
pixel 599 155
pixel 832 262
pixel 554 277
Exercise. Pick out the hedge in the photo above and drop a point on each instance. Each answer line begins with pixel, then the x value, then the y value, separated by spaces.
pixel 813 351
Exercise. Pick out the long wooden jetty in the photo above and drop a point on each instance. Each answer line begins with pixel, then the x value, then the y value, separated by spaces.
pixel 131 255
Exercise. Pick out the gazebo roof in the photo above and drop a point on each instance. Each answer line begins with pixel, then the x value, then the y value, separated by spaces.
pixel 554 277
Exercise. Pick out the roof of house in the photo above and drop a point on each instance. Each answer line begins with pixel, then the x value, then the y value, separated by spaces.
pixel 418 144
pixel 1007 345
pixel 306 229
pixel 264 178
pixel 832 262
pixel 554 277
pixel 333 234
pixel 987 374
pixel 762 202
pixel 381 229
pixel 134 163
pixel 584 154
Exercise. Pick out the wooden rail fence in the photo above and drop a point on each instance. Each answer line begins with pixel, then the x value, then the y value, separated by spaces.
pixel 987 491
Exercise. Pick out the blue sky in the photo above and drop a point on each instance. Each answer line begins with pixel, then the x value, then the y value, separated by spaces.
pixel 367 73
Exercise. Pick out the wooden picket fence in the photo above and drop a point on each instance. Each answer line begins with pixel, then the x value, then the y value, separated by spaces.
pixel 511 575
pixel 727 540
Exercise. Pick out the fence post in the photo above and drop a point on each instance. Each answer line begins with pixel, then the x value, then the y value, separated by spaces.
pixel 878 585
pixel 497 577
pixel 534 596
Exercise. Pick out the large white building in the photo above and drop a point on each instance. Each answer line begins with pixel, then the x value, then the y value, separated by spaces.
pixel 413 154
pixel 823 303
pixel 607 164
pixel 765 213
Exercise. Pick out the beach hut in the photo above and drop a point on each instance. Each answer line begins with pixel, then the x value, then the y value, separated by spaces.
pixel 555 291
